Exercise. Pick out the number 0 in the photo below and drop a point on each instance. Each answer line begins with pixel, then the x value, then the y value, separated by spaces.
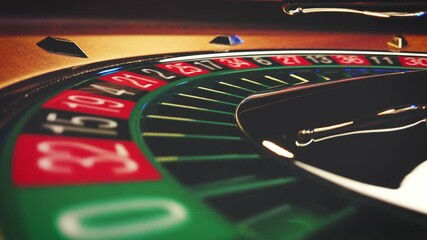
pixel 150 216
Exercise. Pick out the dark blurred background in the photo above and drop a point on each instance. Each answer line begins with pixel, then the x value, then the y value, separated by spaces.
pixel 255 13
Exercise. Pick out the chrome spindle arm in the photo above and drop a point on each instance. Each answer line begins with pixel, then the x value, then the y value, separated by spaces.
pixel 376 8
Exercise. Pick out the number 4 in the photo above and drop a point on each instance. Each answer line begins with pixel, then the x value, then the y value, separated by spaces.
pixel 113 91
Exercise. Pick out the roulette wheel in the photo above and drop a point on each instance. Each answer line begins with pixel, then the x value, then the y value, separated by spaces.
pixel 132 122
